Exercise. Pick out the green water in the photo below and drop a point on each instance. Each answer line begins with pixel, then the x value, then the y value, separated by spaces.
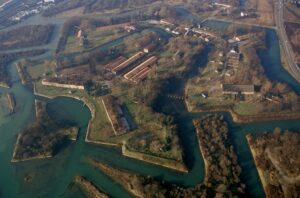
pixel 52 177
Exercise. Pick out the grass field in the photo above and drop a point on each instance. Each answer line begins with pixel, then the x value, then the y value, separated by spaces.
pixel 100 128
pixel 39 70
pixel 264 9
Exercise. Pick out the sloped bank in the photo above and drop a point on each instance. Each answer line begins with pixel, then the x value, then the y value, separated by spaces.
pixel 164 162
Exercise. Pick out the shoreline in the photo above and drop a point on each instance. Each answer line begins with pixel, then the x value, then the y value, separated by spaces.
pixel 202 152
pixel 259 171
pixel 14 160
pixel 151 159
pixel 122 177
pixel 89 188
pixel 245 119
pixel 31 158
pixel 38 94
pixel 21 73
pixel 36 108
pixel 11 102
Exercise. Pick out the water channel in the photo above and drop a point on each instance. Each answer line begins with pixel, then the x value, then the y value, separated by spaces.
pixel 51 177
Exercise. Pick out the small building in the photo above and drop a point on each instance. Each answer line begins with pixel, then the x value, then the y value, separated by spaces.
pixel 176 32
pixel 238 89
pixel 204 95
pixel 129 28
pixel 79 34
pixel 233 51
pixel 149 48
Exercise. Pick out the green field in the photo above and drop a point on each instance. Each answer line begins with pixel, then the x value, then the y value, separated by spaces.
pixel 38 71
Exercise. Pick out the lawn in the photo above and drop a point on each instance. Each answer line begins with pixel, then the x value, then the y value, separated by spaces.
pixel 38 71
pixel 100 128
pixel 246 108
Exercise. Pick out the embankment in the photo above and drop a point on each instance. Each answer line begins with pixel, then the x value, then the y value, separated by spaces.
pixel 89 188
pixel 254 155
pixel 167 163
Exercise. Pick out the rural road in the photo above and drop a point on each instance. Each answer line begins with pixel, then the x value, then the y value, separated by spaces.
pixel 288 51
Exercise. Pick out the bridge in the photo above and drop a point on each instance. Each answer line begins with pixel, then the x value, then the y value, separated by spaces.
pixel 176 97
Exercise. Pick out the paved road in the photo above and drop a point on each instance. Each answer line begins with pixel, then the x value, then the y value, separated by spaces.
pixel 288 51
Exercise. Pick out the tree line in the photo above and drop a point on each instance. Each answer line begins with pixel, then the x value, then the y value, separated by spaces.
pixel 27 36
pixel 44 137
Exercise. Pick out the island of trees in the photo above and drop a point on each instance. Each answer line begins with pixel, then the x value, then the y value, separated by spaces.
pixel 276 155
pixel 89 188
pixel 27 36
pixel 43 138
